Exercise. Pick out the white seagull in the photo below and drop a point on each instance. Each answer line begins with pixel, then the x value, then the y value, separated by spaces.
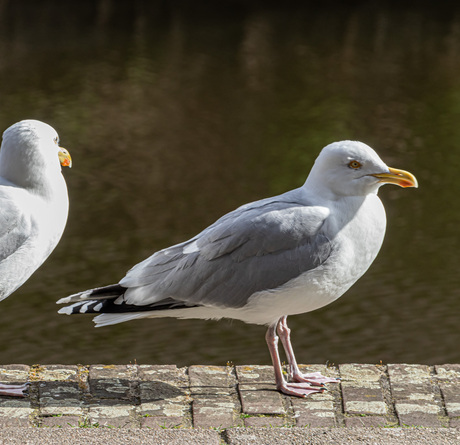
pixel 33 205
pixel 280 256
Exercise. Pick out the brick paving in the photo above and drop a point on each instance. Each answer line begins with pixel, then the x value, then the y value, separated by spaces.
pixel 225 397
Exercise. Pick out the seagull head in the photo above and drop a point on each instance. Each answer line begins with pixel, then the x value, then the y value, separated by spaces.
pixel 30 151
pixel 351 168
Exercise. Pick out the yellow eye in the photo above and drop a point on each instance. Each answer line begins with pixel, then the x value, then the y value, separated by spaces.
pixel 354 164
pixel 56 140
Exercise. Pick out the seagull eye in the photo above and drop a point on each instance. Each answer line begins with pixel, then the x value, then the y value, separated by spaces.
pixel 354 164
pixel 56 140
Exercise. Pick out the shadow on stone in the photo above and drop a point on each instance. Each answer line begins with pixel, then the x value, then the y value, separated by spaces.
pixel 153 391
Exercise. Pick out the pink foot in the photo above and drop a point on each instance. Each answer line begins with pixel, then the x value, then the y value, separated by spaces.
pixel 314 378
pixel 299 389
pixel 14 390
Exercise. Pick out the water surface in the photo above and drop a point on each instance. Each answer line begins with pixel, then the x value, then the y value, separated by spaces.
pixel 175 115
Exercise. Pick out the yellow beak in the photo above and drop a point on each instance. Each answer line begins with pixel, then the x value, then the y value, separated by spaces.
pixel 398 177
pixel 64 157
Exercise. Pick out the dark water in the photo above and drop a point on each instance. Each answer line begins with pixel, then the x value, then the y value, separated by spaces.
pixel 175 114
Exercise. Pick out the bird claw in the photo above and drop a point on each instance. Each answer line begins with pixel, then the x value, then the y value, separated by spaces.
pixel 299 389
pixel 14 390
pixel 314 378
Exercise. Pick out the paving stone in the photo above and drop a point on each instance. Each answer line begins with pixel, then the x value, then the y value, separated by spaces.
pixel 113 415
pixel 214 412
pixel 258 400
pixel 404 373
pixel 57 397
pixel 264 421
pixel 362 373
pixel 361 389
pixel 162 382
pixel 449 372
pixel 316 410
pixel 61 373
pixel 451 394
pixel 255 374
pixel 14 373
pixel 157 422
pixel 366 421
pixel 355 407
pixel 359 400
pixel 175 410
pixel 211 376
pixel 60 421
pixel 170 374
pixel 417 399
pixel 164 396
pixel 15 413
pixel 59 390
pixel 411 414
pixel 153 391
pixel 413 392
pixel 111 381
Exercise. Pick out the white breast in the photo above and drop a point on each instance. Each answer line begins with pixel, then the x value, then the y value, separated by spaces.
pixel 356 243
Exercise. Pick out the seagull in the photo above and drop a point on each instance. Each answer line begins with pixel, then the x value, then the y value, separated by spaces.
pixel 33 206
pixel 266 260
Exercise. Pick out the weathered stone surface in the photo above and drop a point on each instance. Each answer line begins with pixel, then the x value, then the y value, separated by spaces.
pixel 316 410
pixel 172 410
pixel 413 392
pixel 405 373
pixel 363 400
pixel 448 372
pixel 417 398
pixel 152 391
pixel 451 393
pixel 14 373
pixel 257 400
pixel 211 376
pixel 255 374
pixel 214 411
pixel 170 374
pixel 58 373
pixel 111 381
pixel 60 421
pixel 113 415
pixel 161 383
pixel 15 413
pixel 361 373
pixel 361 389
pixel 264 421
pixel 158 396
pixel 157 422
pixel 59 393
pixel 415 414
pixel 366 421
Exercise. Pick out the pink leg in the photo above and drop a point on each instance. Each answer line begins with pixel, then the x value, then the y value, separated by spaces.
pixel 292 389
pixel 314 378
pixel 14 390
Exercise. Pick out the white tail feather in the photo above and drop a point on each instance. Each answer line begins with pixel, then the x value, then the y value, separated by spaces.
pixel 109 319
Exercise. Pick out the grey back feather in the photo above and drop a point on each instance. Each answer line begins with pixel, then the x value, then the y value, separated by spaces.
pixel 14 228
pixel 259 246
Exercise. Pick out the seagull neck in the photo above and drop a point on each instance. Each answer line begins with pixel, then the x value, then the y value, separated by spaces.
pixel 319 192
pixel 37 181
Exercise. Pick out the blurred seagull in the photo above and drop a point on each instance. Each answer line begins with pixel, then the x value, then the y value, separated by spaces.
pixel 280 256
pixel 33 205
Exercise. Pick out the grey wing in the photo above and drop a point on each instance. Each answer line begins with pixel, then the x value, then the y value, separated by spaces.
pixel 14 228
pixel 252 249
